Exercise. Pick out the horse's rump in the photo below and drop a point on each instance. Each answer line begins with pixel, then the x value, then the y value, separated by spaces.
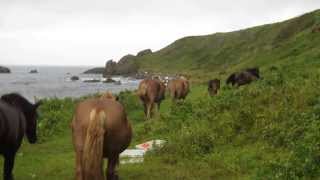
pixel 100 129
pixel 179 88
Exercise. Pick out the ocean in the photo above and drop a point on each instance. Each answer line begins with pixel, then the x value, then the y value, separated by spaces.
pixel 54 82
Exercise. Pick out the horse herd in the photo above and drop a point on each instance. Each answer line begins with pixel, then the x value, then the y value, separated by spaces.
pixel 100 127
pixel 151 91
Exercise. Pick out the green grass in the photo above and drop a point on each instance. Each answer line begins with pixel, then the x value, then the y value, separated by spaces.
pixel 269 129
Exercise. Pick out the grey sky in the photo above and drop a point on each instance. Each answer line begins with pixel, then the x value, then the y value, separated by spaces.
pixel 89 32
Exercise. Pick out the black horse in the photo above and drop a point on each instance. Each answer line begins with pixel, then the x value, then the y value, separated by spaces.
pixel 17 117
pixel 244 77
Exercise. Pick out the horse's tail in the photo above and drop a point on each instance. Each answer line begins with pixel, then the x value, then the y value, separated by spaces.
pixel 93 146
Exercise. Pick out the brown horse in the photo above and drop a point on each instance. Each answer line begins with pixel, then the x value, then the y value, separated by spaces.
pixel 100 129
pixel 17 118
pixel 178 88
pixel 213 86
pixel 151 91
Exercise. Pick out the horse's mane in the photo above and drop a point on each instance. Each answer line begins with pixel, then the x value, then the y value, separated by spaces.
pixel 108 95
pixel 16 99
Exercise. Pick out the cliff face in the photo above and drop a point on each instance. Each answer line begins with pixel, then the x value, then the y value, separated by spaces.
pixel 110 68
pixel 127 65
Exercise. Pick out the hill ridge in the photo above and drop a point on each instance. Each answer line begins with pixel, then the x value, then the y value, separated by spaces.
pixel 229 51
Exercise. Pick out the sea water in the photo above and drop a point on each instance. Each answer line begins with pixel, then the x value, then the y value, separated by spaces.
pixel 54 82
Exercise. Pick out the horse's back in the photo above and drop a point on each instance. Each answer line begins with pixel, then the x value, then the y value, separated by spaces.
pixel 113 109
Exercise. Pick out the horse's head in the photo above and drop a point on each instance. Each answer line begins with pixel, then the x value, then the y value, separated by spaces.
pixel 231 79
pixel 29 110
pixel 31 118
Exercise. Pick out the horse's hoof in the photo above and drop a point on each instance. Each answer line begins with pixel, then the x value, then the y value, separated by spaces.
pixel 116 177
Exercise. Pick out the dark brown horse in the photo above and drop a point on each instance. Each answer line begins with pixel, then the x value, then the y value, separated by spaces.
pixel 244 77
pixel 151 91
pixel 100 129
pixel 178 88
pixel 17 118
pixel 213 86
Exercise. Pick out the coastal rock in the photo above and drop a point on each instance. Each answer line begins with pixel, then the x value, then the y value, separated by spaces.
pixel 110 68
pixel 126 58
pixel 97 70
pixel 109 80
pixel 33 71
pixel 144 52
pixel 125 66
pixel 92 81
pixel 74 78
pixel 4 69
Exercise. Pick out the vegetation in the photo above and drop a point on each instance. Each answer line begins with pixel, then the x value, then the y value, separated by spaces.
pixel 222 53
pixel 266 130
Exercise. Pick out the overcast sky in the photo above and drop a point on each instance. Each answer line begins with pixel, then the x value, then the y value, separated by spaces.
pixel 90 32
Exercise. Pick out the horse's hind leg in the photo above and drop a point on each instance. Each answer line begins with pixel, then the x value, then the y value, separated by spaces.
pixel 77 137
pixel 79 173
pixel 8 165
pixel 149 110
pixel 111 170
pixel 145 108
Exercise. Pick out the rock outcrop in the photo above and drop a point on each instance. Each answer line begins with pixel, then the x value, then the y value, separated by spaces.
pixel 74 78
pixel 109 80
pixel 125 66
pixel 4 69
pixel 33 71
pixel 144 52
pixel 110 68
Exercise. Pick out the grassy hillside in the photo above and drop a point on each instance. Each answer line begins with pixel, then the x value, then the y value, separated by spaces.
pixel 266 130
pixel 269 129
pixel 220 53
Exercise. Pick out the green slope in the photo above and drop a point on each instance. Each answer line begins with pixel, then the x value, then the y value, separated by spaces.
pixel 220 52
